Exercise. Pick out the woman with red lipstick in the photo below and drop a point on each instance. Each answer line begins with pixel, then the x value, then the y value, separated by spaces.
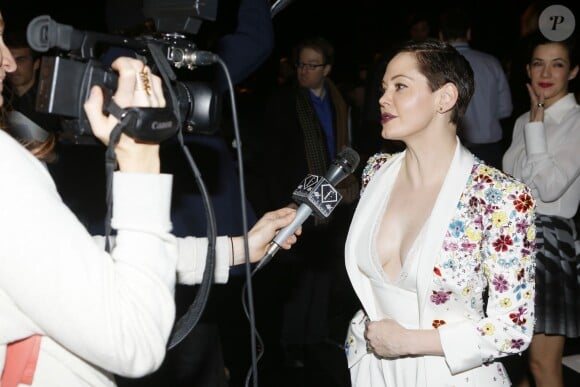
pixel 440 249
pixel 544 153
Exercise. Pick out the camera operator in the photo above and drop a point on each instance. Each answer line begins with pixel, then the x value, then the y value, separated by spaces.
pixel 243 37
pixel 72 313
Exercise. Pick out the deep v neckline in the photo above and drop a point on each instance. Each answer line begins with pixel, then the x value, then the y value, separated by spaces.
pixel 403 273
pixel 404 269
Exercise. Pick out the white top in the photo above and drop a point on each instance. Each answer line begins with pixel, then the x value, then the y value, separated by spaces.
pixel 100 313
pixel 546 157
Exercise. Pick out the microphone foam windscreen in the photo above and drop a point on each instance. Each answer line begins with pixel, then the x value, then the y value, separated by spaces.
pixel 350 157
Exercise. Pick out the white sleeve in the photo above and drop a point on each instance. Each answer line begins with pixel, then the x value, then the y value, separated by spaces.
pixel 115 310
pixel 460 346
pixel 549 172
pixel 193 258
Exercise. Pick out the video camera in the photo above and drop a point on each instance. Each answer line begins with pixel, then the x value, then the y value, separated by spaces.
pixel 65 79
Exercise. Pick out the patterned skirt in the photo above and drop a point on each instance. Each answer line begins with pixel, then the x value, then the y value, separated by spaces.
pixel 557 277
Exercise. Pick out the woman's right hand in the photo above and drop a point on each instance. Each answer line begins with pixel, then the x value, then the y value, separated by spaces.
pixel 136 87
pixel 260 236
pixel 536 105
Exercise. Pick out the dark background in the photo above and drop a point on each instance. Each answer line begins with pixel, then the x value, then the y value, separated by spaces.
pixel 357 28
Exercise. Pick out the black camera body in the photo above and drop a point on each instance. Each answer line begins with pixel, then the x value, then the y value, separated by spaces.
pixel 64 84
pixel 65 79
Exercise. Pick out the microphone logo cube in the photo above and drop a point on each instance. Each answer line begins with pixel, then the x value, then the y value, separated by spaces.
pixel 318 194
pixel 305 187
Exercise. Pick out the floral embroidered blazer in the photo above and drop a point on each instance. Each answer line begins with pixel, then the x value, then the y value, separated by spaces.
pixel 475 279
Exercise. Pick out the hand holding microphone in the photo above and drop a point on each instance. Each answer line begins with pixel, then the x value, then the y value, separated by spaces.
pixel 316 194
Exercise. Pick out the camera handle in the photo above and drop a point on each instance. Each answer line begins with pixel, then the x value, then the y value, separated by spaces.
pixel 189 320
pixel 144 124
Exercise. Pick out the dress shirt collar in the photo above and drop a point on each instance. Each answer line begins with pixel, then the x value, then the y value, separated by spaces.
pixel 560 108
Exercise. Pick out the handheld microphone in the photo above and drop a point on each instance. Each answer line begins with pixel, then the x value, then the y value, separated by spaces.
pixel 316 194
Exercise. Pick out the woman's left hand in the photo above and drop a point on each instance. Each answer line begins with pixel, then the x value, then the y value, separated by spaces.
pixel 136 87
pixel 386 338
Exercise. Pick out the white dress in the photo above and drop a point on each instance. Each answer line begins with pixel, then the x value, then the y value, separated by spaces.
pixel 397 300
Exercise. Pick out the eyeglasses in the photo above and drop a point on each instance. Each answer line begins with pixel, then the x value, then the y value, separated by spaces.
pixel 308 66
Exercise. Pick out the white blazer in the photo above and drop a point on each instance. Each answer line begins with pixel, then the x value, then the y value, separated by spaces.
pixel 479 236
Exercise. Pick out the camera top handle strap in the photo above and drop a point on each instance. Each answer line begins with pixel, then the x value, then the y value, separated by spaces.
pixel 189 320
pixel 154 124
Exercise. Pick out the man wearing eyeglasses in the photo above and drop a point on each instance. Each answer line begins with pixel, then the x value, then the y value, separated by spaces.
pixel 305 127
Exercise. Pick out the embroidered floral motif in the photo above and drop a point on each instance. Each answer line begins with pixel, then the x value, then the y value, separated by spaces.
pixel 518 290
pixel 449 264
pixel 493 195
pixel 468 246
pixel 374 163
pixel 348 344
pixel 499 219
pixel 457 228
pixel 508 262
pixel 488 329
pixel 440 297
pixel 523 203
pixel 517 343
pixel 521 226
pixel 503 243
pixel 489 245
pixel 482 181
pixel 505 303
pixel 517 317
pixel 500 284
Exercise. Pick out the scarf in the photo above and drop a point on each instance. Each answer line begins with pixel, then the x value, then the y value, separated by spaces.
pixel 314 142
pixel 315 146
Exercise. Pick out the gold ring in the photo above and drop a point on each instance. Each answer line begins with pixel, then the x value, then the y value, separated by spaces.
pixel 143 82
pixel 540 105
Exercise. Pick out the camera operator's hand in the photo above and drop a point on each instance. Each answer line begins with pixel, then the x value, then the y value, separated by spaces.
pixel 136 87
pixel 260 236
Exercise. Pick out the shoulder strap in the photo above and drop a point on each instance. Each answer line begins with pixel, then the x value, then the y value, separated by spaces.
pixel 21 358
